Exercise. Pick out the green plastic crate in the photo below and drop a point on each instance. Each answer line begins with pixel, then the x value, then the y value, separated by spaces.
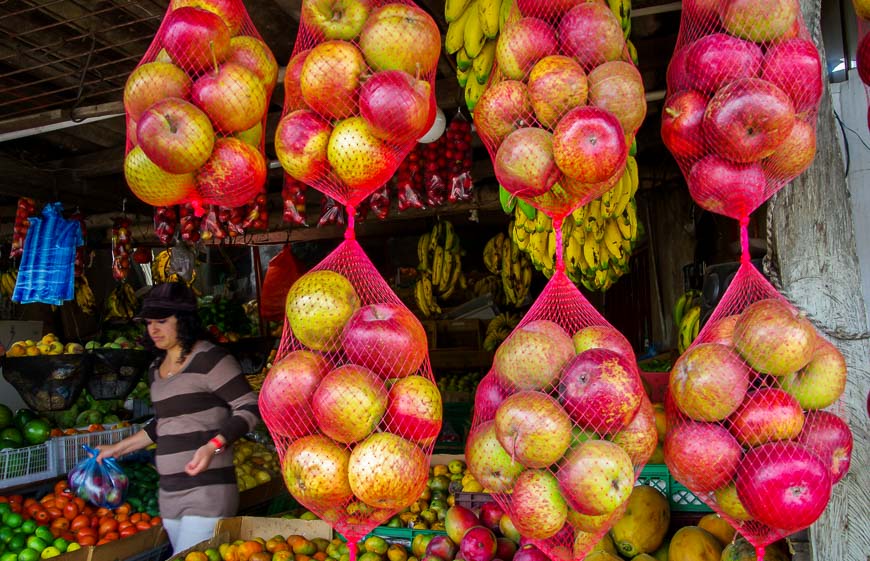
pixel 403 536
pixel 680 499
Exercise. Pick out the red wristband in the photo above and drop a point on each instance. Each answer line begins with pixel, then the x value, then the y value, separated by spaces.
pixel 218 446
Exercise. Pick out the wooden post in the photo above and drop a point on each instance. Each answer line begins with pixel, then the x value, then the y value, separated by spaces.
pixel 813 242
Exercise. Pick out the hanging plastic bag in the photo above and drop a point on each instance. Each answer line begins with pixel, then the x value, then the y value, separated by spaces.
pixel 293 194
pixel 122 247
pixel 282 272
pixel 460 157
pixel 343 130
pixel 753 429
pixel 196 108
pixel 165 223
pixel 189 223
pixel 101 484
pixel 24 211
pixel 744 86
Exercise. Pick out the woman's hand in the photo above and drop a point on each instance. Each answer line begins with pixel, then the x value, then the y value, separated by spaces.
pixel 109 451
pixel 201 459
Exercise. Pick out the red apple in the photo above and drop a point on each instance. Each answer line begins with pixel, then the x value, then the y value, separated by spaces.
pixel 233 97
pixel 596 477
pixel 175 135
pixel 601 390
pixel 488 396
pixel 360 159
pixel 552 9
pixel 414 410
pixel 503 108
pixel 492 466
pixel 195 39
pixel 150 83
pixel 765 416
pixel 589 144
pixel 830 437
pixel 590 34
pixel 478 544
pixel 490 515
pixel 349 403
pixel 385 338
pixel 231 12
pixel 556 84
pixel 617 87
pixel 822 381
pixel 330 78
pixel 300 143
pixel 702 456
pixel 537 507
pixel 723 187
pixel 524 163
pixel 783 485
pixel 774 338
pixel 708 382
pixel 639 438
pixel 718 59
pixel 863 59
pixel 720 331
pixel 442 547
pixel 748 119
pixel 154 186
pixel 522 44
pixel 387 472
pixel 682 132
pixel 315 472
pixel 677 75
pixel 399 36
pixel 759 22
pixel 533 356
pixel 795 155
pixel 336 19
pixel 459 520
pixel 794 66
pixel 533 428
pixel 285 397
pixel 602 337
pixel 257 57
pixel 292 87
pixel 233 175
pixel 397 107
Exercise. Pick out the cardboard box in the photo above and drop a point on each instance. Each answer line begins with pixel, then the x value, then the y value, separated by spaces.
pixel 247 527
pixel 126 548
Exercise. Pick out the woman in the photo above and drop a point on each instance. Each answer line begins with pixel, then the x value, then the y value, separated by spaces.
pixel 202 404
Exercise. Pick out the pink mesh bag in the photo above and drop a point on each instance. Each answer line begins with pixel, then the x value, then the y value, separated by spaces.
pixel 862 57
pixel 196 108
pixel 351 402
pixel 359 92
pixel 562 105
pixel 744 86
pixel 562 426
pixel 752 406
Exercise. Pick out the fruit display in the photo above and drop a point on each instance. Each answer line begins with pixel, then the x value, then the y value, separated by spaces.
pixel 440 268
pixel 196 107
pixel 457 383
pixel 742 102
pixel 502 257
pixel 429 511
pixel 342 131
pixel 142 490
pixel 24 428
pixel 746 428
pixel 326 401
pixel 122 248
pixel 84 296
pixel 498 329
pixel 254 463
pixel 26 209
pixel 48 345
pixel 224 318
pixel 687 318
pixel 121 303
pixel 598 238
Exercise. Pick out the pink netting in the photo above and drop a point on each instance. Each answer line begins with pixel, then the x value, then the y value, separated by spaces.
pixel 359 92
pixel 862 56
pixel 351 402
pixel 562 425
pixel 196 108
pixel 562 105
pixel 744 86
pixel 750 426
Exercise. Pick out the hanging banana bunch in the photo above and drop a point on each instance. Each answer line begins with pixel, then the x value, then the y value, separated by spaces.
pixel 122 303
pixel 498 330
pixel 7 282
pixel 84 296
pixel 440 268
pixel 687 318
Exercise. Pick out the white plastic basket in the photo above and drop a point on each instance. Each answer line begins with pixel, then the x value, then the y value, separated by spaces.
pixel 68 450
pixel 19 466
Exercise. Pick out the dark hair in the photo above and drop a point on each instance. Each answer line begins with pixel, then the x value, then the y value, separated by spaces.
pixel 189 330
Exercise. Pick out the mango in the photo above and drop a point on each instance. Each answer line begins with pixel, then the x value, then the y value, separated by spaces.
pixel 643 526
pixel 694 544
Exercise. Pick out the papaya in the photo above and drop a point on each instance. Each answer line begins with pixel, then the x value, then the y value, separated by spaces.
pixel 742 550
pixel 719 527
pixel 644 524
pixel 691 543
pixel 643 557
pixel 661 554
pixel 601 555
pixel 606 544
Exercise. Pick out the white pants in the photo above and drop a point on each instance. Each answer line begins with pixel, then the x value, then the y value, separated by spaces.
pixel 187 531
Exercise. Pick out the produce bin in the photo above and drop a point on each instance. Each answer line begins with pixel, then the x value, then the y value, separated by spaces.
pixel 248 527
pixel 402 536
pixel 20 466
pixel 679 498
pixel 113 373
pixel 48 382
pixel 68 450
pixel 139 544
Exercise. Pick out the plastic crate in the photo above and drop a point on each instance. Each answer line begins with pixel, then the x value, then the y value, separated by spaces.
pixel 472 501
pixel 403 536
pixel 19 466
pixel 680 499
pixel 68 450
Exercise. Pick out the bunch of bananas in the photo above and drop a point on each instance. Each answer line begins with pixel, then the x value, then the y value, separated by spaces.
pixel 7 282
pixel 121 303
pixel 440 268
pixel 687 318
pixel 84 295
pixel 472 33
pixel 502 256
pixel 597 238
pixel 622 10
pixel 161 269
pixel 490 284
pixel 498 329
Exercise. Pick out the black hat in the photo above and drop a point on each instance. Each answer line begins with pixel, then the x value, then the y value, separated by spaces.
pixel 166 299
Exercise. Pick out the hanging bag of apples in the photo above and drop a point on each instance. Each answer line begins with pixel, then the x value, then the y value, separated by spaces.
pixel 862 57
pixel 751 430
pixel 196 108
pixel 351 402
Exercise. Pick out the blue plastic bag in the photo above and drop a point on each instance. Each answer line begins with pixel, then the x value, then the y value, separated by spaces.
pixel 104 485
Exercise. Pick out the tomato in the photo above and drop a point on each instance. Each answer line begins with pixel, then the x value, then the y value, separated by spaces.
pixel 60 486
pixel 123 509
pixel 107 525
pixel 54 513
pixel 29 501
pixel 61 524
pixel 127 532
pixel 156 521
pixel 86 531
pixel 16 499
pixel 122 517
pixel 102 511
pixel 79 522
pixel 60 501
pixel 41 516
pixel 68 536
pixel 70 511
pixel 111 536
pixel 142 525
pixel 146 517
pixel 96 428
pixel 79 502
pixel 55 432
pixel 86 540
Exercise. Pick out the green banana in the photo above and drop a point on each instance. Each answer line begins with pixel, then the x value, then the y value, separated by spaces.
pixel 483 63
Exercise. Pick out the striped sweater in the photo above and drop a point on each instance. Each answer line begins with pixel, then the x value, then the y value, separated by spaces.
pixel 209 397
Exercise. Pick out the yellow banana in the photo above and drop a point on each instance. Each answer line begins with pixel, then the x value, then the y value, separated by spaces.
pixel 473 37
pixel 455 37
pixel 613 240
pixel 473 91
pixel 437 264
pixel 420 297
pixel 463 61
pixel 634 180
pixel 453 9
pixel 447 265
pixel 591 253
pixel 482 64
pixel 462 77
pixel 488 14
pixel 507 14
